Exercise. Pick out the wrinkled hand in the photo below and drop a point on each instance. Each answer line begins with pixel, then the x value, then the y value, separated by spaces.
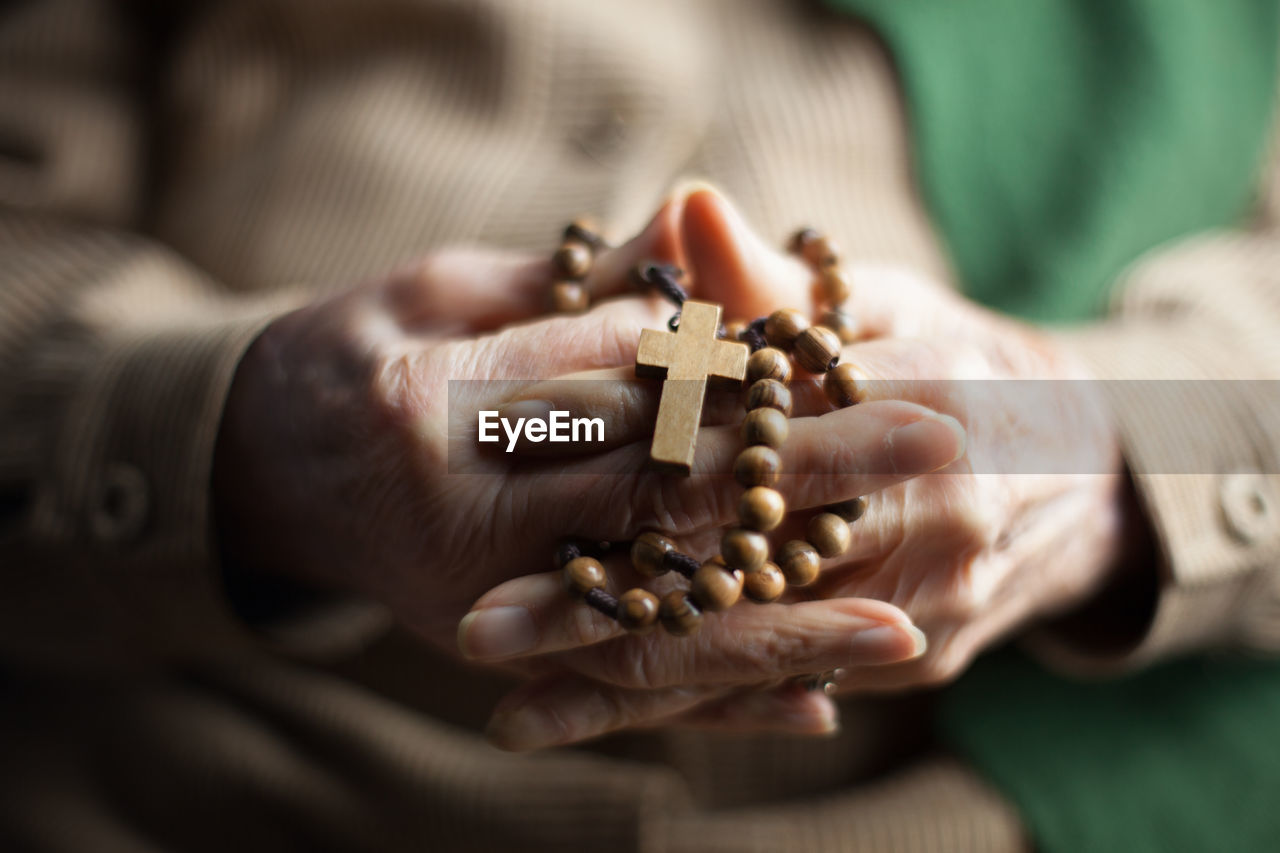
pixel 348 461
pixel 1030 522
pixel 334 463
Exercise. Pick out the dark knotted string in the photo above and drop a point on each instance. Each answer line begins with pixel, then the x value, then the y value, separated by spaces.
pixel 753 335
pixel 602 600
pixel 574 231
pixel 566 552
pixel 684 564
pixel 664 278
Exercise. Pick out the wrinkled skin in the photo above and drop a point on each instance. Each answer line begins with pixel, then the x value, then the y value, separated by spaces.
pixel 1032 521
pixel 335 466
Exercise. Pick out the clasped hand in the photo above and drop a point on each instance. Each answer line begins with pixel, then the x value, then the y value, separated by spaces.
pixel 336 466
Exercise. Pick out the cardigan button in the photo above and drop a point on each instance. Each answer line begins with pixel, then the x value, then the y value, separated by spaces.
pixel 605 137
pixel 1248 505
pixel 121 505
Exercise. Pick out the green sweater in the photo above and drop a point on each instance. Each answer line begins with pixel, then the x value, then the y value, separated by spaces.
pixel 1055 142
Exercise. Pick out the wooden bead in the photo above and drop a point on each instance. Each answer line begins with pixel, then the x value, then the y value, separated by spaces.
pixel 761 508
pixel 569 297
pixel 745 550
pixel 851 510
pixel 637 610
pixel 769 393
pixel 757 466
pixel 765 426
pixel 833 285
pixel 821 252
pixel 841 322
pixel 715 587
pixel 782 327
pixel 799 562
pixel 844 385
pixel 581 574
pixel 766 585
pixel 647 553
pixel 678 613
pixel 573 259
pixel 768 363
pixel 829 534
pixel 800 239
pixel 817 349
pixel 734 328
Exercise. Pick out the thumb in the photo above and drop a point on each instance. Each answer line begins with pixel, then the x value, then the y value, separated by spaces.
pixel 731 264
pixel 477 290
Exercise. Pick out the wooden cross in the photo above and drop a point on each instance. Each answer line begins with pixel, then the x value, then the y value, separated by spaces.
pixel 686 360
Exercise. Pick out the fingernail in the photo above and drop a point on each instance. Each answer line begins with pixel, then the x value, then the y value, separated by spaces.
pixel 686 187
pixel 497 632
pixel 926 445
pixel 827 719
pixel 921 641
pixel 524 728
pixel 822 720
pixel 888 643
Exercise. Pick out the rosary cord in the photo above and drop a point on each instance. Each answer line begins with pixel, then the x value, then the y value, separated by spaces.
pixel 663 278
pixel 753 335
pixel 581 233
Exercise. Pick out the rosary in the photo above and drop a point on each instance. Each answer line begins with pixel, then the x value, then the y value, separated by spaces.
pixel 698 350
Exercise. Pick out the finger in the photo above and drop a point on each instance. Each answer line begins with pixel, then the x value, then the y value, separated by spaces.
pixel 533 616
pixel 894 301
pixel 604 337
pixel 477 289
pixel 468 289
pixel 731 264
pixel 835 457
pixel 659 242
pixel 749 645
pixel 786 709
pixel 565 708
pixel 932 373
pixel 530 615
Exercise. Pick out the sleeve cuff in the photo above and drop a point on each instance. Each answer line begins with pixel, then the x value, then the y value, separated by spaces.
pixel 126 511
pixel 1195 443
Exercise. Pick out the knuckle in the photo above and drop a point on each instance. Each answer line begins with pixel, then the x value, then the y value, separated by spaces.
pixel 664 503
pixel 586 627
pixel 941 669
pixel 965 599
pixel 973 520
pixel 769 652
pixel 628 663
pixel 617 339
pixel 397 397
pixel 391 388
pixel 608 339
